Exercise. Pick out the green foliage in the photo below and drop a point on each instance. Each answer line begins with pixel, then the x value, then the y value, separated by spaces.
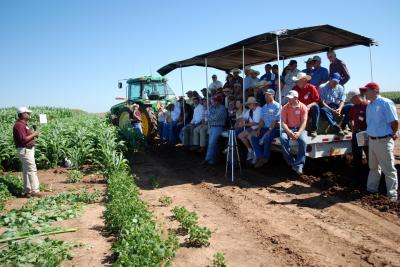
pixel 165 200
pixel 139 241
pixel 73 176
pixel 198 236
pixel 38 253
pixel 219 260
pixel 4 195
pixel 394 96
pixel 13 183
pixel 154 182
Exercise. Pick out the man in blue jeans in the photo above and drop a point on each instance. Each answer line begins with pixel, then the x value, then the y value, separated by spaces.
pixel 332 101
pixel 216 122
pixel 268 129
pixel 294 119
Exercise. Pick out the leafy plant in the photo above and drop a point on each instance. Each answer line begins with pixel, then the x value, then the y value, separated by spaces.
pixel 219 260
pixel 74 176
pixel 165 200
pixel 154 182
pixel 38 253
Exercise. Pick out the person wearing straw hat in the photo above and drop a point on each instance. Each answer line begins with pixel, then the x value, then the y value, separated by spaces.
pixel 294 120
pixel 309 96
pixel 382 129
pixel 216 122
pixel 252 119
pixel 332 98
pixel 24 139
pixel 319 75
pixel 267 130
pixel 309 66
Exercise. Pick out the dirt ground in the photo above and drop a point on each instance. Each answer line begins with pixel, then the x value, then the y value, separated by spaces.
pixel 270 218
pixel 96 244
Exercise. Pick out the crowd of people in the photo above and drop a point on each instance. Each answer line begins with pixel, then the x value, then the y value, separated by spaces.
pixel 251 106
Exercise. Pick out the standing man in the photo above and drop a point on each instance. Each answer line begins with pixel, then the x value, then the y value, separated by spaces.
pixel 319 75
pixel 136 119
pixel 215 83
pixel 237 82
pixel 216 122
pixel 382 127
pixel 24 139
pixel 338 66
pixel 268 74
pixel 294 120
pixel 274 76
pixel 268 129
pixel 309 96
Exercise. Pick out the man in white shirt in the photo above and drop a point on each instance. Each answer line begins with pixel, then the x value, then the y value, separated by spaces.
pixel 196 121
pixel 252 118
pixel 215 83
pixel 175 115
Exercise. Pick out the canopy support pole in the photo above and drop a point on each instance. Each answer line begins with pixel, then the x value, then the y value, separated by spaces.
pixel 183 107
pixel 370 62
pixel 279 82
pixel 208 108
pixel 244 100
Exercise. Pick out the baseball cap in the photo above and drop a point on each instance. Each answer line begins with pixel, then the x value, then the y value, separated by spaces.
pixel 292 94
pixel 316 58
pixel 269 91
pixel 23 110
pixel 336 77
pixel 292 62
pixel 372 86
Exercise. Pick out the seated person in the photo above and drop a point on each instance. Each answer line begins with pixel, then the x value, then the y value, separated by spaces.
pixel 185 117
pixel 294 119
pixel 172 126
pixel 167 122
pixel 196 121
pixel 332 103
pixel 216 123
pixel 268 129
pixel 200 132
pixel 309 96
pixel 252 118
pixel 161 119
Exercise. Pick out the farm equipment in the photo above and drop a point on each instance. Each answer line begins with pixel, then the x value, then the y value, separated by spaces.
pixel 149 93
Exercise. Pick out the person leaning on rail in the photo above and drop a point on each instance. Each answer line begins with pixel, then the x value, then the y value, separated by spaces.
pixel 24 139
pixel 382 127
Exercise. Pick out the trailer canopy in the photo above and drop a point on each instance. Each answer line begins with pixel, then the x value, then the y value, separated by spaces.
pixel 263 48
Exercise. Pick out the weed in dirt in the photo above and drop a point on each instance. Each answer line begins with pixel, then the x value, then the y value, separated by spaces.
pixel 165 200
pixel 219 260
pixel 37 253
pixel 199 236
pixel 74 176
pixel 4 195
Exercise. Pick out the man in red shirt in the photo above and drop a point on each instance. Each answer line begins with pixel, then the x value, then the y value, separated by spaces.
pixel 309 96
pixel 294 119
pixel 24 140
pixel 358 122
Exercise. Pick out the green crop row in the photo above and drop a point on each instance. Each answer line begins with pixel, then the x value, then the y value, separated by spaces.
pixel 198 236
pixel 394 96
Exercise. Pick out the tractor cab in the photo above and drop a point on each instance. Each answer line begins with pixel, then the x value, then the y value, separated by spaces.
pixel 149 93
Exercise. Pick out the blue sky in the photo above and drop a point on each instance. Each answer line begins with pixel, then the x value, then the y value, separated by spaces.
pixel 71 53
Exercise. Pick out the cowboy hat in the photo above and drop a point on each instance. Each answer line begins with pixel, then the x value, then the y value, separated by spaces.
pixel 236 70
pixel 301 76
pixel 251 100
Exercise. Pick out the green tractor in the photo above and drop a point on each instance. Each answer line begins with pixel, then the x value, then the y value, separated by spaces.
pixel 149 93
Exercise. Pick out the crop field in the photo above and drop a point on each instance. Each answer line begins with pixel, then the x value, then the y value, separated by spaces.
pixel 395 96
pixel 119 203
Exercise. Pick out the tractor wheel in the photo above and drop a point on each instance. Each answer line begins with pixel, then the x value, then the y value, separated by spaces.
pixel 124 119
pixel 149 122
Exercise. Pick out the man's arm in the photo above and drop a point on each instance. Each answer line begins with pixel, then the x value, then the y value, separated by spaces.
pixel 345 74
pixel 395 128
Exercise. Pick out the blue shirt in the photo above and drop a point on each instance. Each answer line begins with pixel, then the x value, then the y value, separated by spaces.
pixel 332 95
pixel 270 112
pixel 319 75
pixel 380 113
pixel 217 117
pixel 249 82
pixel 269 77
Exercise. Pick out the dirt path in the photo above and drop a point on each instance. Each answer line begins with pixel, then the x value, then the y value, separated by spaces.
pixel 278 222
pixel 96 245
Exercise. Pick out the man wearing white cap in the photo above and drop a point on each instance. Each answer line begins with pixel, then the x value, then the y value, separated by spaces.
pixel 268 129
pixel 215 83
pixel 294 119
pixel 24 139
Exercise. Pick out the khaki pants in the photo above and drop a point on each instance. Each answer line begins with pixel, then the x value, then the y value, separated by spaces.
pixel 200 135
pixel 381 158
pixel 31 181
pixel 188 134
